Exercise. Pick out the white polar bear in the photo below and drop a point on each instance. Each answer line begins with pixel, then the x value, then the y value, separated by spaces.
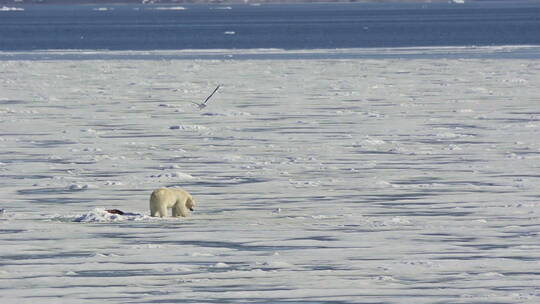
pixel 163 198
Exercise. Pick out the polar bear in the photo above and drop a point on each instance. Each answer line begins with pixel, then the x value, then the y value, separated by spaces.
pixel 180 201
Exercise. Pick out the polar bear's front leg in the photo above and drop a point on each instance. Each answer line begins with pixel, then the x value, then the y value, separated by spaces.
pixel 179 209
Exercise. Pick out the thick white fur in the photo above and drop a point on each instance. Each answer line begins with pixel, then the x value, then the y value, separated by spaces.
pixel 180 201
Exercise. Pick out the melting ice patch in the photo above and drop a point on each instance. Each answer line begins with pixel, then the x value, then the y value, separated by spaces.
pixel 176 175
pixel 188 127
pixel 228 113
pixel 76 187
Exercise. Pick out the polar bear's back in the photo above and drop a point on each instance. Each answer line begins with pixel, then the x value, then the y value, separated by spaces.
pixel 168 195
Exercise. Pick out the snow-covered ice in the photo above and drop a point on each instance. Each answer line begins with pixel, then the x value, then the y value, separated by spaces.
pixel 317 181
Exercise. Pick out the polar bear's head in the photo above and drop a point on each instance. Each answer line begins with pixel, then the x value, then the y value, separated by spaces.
pixel 190 204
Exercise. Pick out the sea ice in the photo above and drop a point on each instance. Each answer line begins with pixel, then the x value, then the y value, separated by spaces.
pixel 319 181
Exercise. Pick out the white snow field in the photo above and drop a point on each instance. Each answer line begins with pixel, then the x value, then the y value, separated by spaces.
pixel 317 181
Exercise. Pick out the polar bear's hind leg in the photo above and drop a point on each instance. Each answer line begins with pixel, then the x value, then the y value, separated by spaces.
pixel 160 211
pixel 158 202
pixel 153 210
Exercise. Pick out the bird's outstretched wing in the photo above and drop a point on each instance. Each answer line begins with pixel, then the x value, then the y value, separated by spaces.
pixel 210 96
pixel 202 105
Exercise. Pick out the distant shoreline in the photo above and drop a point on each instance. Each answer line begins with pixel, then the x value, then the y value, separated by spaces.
pixel 217 2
